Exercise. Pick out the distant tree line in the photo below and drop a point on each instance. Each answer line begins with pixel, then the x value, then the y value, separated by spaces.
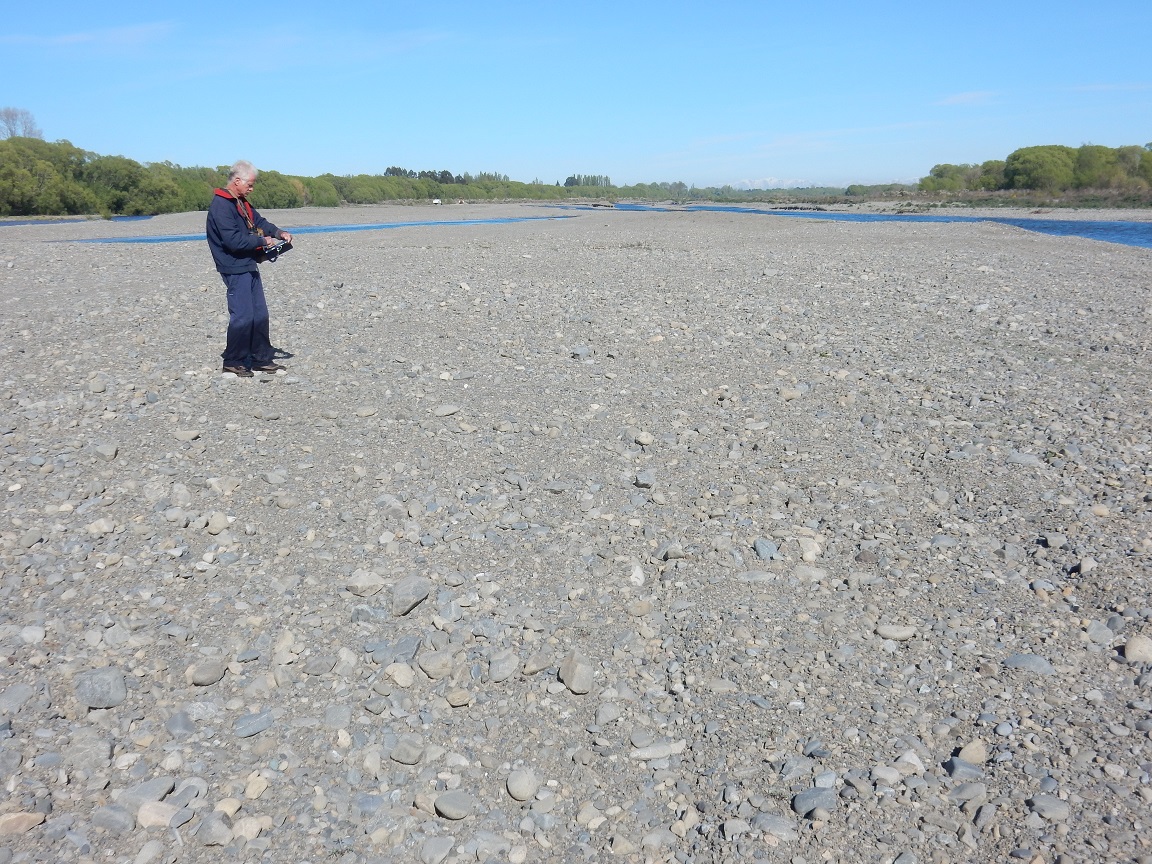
pixel 445 178
pixel 1050 168
pixel 587 180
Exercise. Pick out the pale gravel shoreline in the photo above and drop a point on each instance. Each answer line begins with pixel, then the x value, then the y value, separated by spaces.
pixel 729 539
pixel 181 223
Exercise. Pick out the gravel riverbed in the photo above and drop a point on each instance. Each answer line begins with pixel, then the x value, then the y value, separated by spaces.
pixel 694 537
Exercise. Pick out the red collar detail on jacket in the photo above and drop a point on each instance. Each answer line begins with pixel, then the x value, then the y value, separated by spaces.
pixel 224 193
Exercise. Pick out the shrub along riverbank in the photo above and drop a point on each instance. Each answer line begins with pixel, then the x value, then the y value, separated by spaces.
pixel 40 178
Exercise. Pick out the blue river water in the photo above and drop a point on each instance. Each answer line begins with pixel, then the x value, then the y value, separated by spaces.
pixel 1122 232
pixel 327 229
pixel 1125 233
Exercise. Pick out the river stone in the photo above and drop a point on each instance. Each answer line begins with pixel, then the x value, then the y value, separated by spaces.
pixel 502 665
pixel 1050 807
pixel 576 672
pixel 401 673
pixel 896 632
pixel 19 823
pixel 436 849
pixel 156 814
pixel 206 673
pixel 150 790
pixel 805 802
pixel 765 549
pixel 456 804
pixel 523 784
pixel 149 853
pixel 88 750
pixel 458 697
pixel 14 697
pixel 1138 649
pixel 248 725
pixel 365 583
pixel 975 752
pixel 437 664
pixel 113 818
pixel 1031 663
pixel 408 750
pixel 215 829
pixel 776 824
pixel 969 792
pixel 100 688
pixel 409 593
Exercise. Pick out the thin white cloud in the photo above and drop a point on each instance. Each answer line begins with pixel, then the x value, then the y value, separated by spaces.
pixel 974 97
pixel 111 37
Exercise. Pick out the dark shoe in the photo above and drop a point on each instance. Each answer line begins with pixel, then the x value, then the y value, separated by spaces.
pixel 270 366
pixel 238 371
pixel 281 354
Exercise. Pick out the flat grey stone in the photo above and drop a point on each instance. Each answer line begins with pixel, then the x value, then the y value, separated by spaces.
pixel 207 672
pixel 14 697
pixel 248 725
pixel 777 824
pixel 408 750
pixel 960 770
pixel 180 725
pixel 969 792
pixel 503 665
pixel 1050 807
pixel 805 802
pixel 215 829
pixel 1031 663
pixel 576 673
pixel 113 818
pixel 435 849
pixel 409 593
pixel 150 790
pixel 100 688
pixel 765 549
pixel 437 664
pixel 455 805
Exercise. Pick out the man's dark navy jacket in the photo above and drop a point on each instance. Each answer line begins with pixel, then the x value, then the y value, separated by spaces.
pixel 234 247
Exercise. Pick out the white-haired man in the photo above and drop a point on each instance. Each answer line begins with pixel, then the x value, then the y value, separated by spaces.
pixel 238 236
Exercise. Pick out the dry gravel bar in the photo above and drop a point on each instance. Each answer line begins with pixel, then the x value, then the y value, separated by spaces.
pixel 696 537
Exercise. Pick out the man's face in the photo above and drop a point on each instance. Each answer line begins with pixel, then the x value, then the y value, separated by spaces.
pixel 243 185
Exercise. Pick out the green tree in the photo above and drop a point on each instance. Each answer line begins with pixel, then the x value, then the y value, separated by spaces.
pixel 319 192
pixel 275 191
pixel 1128 158
pixel 991 175
pixel 1097 168
pixel 1049 168
pixel 1146 166
pixel 39 179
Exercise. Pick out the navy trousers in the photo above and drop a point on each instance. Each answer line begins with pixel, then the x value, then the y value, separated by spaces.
pixel 248 341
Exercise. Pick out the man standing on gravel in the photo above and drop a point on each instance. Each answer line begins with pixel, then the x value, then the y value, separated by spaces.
pixel 237 236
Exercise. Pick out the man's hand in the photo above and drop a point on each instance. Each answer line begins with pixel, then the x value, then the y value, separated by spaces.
pixel 285 236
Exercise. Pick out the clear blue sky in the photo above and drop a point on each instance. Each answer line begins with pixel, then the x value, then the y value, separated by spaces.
pixel 776 93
